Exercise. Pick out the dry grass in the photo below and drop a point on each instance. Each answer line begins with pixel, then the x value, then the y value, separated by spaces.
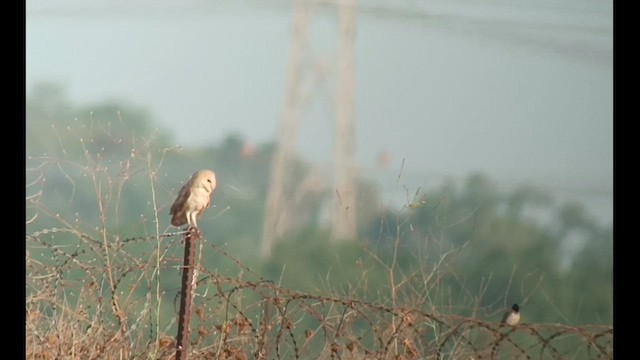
pixel 71 313
pixel 92 294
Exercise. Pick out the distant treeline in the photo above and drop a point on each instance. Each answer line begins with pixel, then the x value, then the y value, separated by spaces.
pixel 468 248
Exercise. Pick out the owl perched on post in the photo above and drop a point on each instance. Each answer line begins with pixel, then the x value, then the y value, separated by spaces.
pixel 193 199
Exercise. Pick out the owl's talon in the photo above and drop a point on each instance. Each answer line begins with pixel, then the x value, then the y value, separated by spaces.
pixel 193 231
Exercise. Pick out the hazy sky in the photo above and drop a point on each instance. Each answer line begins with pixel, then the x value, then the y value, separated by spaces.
pixel 521 90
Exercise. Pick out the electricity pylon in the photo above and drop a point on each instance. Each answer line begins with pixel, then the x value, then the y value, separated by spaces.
pixel 276 222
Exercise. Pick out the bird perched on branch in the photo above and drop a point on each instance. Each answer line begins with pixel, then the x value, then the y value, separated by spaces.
pixel 512 317
pixel 194 198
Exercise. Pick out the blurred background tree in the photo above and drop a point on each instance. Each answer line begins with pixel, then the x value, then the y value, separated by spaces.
pixel 502 249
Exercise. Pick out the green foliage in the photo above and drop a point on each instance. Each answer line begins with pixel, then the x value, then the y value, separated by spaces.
pixel 511 257
pixel 470 248
pixel 104 131
pixel 309 262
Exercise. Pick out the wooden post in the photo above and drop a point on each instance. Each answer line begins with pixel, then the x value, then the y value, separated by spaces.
pixel 186 293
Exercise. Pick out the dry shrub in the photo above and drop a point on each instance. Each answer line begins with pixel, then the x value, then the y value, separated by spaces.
pixel 93 293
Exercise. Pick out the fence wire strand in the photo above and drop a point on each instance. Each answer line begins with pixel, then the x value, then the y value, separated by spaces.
pixel 69 316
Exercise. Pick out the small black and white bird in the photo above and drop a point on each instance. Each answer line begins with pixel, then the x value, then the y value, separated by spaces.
pixel 512 317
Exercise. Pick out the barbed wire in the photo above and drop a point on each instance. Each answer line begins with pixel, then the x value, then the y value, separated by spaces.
pixel 242 319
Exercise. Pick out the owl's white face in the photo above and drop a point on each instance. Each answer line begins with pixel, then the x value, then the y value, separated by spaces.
pixel 205 179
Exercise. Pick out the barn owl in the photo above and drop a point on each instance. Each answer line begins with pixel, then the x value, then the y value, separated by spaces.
pixel 193 199
pixel 512 317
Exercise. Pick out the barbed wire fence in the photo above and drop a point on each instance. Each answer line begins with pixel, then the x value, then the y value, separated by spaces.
pixel 73 313
pixel 91 293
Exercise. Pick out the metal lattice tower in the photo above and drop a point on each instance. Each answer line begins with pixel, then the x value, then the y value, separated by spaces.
pixel 276 222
